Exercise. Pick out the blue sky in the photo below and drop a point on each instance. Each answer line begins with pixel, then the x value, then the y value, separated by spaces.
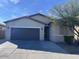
pixel 10 9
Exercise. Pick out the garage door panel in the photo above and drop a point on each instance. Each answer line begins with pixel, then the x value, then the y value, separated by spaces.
pixel 25 34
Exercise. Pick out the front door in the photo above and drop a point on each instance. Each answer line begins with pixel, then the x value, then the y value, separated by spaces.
pixel 46 35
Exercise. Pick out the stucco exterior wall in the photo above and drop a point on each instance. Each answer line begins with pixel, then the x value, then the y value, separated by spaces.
pixel 24 23
pixel 58 31
pixel 55 34
pixel 41 18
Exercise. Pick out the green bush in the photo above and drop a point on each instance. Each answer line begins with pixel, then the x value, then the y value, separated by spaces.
pixel 68 39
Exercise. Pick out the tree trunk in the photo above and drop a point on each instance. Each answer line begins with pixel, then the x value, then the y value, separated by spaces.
pixel 72 28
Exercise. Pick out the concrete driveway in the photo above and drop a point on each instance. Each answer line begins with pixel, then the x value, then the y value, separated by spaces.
pixel 9 50
pixel 39 45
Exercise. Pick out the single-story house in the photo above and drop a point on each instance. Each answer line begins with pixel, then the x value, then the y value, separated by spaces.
pixel 33 27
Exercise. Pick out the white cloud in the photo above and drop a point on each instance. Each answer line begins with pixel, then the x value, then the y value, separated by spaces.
pixel 15 1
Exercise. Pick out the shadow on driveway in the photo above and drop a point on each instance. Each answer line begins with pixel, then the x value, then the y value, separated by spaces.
pixel 39 45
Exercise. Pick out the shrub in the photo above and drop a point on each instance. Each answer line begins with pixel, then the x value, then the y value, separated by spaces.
pixel 68 39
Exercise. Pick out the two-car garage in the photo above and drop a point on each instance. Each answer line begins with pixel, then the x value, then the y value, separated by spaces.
pixel 25 34
pixel 24 29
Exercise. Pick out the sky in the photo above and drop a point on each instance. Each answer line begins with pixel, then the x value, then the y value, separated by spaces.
pixel 10 9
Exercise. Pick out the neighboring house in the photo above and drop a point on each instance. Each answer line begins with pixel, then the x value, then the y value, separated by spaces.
pixel 34 27
pixel 2 31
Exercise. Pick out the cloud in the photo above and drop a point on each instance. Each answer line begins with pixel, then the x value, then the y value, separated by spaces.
pixel 15 1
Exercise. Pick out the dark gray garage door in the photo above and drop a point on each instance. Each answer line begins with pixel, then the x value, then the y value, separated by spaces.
pixel 25 34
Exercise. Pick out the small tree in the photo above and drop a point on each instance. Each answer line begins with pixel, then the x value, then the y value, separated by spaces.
pixel 68 14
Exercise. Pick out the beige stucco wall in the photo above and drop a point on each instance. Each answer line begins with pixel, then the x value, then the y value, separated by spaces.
pixel 24 23
pixel 55 34
pixel 42 18
pixel 58 31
